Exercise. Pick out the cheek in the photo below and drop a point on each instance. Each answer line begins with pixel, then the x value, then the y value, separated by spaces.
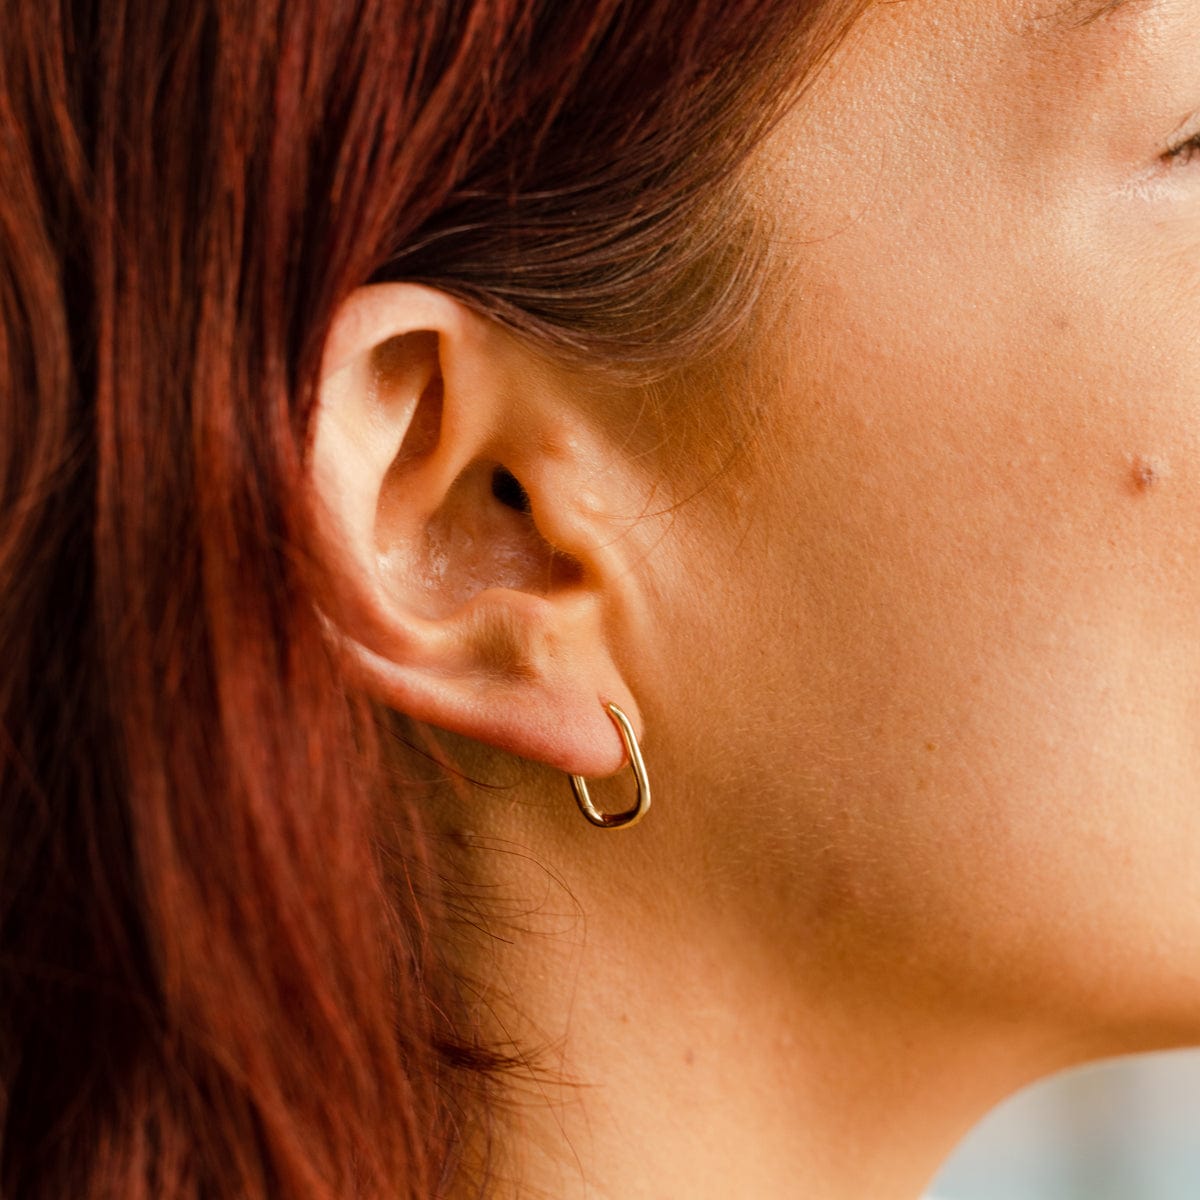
pixel 987 524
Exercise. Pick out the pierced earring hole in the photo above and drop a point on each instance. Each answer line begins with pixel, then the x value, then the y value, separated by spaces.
pixel 507 489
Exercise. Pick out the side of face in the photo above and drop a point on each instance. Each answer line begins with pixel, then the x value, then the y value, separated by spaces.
pixel 954 727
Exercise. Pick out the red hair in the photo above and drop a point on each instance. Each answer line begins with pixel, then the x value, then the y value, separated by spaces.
pixel 218 976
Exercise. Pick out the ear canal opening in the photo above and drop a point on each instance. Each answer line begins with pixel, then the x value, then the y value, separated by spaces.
pixel 508 490
pixel 561 568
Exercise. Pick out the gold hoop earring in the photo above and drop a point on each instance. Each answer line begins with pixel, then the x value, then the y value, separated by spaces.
pixel 636 762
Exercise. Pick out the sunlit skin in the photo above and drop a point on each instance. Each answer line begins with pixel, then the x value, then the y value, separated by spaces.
pixel 918 678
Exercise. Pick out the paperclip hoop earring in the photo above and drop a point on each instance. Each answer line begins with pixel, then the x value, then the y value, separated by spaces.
pixel 642 806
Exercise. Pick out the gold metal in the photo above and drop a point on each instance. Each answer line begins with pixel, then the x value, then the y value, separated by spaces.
pixel 638 811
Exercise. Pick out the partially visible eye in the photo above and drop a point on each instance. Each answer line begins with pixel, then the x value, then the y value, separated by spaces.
pixel 1184 152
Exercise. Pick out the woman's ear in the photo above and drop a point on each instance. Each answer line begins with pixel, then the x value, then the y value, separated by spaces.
pixel 473 566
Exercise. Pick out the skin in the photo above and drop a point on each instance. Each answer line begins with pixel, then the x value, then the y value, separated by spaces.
pixel 919 679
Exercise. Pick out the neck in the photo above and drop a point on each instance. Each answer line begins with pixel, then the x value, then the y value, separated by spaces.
pixel 675 1053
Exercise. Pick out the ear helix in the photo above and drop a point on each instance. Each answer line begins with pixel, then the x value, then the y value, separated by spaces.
pixel 642 804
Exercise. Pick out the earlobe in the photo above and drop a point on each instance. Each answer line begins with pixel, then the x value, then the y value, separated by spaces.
pixel 445 597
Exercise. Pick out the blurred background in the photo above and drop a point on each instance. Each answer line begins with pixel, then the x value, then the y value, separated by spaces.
pixel 1127 1130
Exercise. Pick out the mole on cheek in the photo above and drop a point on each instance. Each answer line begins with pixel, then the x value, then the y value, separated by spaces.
pixel 1147 473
